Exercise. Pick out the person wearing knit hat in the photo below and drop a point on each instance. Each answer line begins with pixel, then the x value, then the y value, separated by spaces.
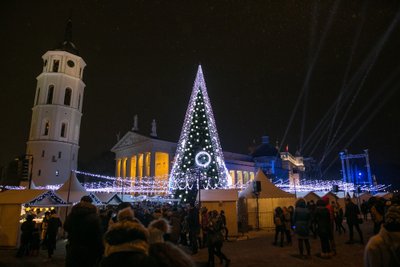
pixel 126 245
pixel 157 229
pixel 383 249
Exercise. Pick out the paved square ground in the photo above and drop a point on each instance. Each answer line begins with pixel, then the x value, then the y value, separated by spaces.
pixel 253 249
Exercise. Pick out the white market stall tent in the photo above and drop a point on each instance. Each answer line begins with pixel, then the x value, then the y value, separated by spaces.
pixel 72 191
pixel 269 198
pixel 11 206
pixel 308 196
pixel 108 198
pixel 222 199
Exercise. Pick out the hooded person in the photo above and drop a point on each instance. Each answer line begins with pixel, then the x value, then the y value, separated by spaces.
pixel 85 244
pixel 126 245
pixel 383 249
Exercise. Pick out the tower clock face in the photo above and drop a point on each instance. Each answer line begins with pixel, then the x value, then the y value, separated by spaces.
pixel 203 159
pixel 70 63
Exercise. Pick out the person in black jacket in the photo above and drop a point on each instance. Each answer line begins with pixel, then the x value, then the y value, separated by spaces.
pixel 53 223
pixel 352 215
pixel 323 220
pixel 27 229
pixel 85 244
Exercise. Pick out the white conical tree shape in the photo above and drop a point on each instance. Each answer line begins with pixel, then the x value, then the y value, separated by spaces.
pixel 199 152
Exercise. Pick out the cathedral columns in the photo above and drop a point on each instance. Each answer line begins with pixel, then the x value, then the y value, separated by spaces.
pixel 118 167
pixel 152 163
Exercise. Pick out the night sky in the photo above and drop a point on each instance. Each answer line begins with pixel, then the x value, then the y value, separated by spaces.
pixel 258 57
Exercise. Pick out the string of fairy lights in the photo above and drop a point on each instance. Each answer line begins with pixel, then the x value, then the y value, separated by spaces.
pixel 160 185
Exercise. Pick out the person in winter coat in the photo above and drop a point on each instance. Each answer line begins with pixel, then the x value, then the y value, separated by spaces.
pixel 383 249
pixel 43 235
pixel 126 245
pixel 194 227
pixel 27 229
pixel 339 218
pixel 157 229
pixel 352 215
pixel 174 221
pixel 323 220
pixel 287 224
pixel 301 221
pixel 215 239
pixel 85 244
pixel 279 221
pixel 53 224
pixel 204 225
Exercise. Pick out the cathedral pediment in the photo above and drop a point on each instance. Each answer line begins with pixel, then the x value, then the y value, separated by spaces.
pixel 130 139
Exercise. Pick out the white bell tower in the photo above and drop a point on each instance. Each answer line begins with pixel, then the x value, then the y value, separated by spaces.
pixel 56 114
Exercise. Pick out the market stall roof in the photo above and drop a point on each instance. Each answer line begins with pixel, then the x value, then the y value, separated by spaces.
pixel 20 196
pixel 218 195
pixel 309 195
pixel 108 198
pixel 37 197
pixel 72 191
pixel 268 189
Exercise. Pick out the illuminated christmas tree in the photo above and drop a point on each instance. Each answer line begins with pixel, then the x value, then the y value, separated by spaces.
pixel 199 161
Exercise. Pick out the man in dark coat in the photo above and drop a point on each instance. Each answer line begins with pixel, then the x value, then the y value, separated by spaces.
pixel 352 215
pixel 27 228
pixel 53 223
pixel 83 225
pixel 194 227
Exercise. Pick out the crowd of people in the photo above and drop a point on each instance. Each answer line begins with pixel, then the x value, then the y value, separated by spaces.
pixel 145 234
pixel 323 218
pixel 156 234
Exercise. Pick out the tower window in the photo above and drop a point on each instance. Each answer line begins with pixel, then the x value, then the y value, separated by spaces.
pixel 37 96
pixel 50 93
pixel 57 172
pixel 39 172
pixel 56 64
pixel 42 153
pixel 59 154
pixel 67 96
pixel 45 63
pixel 63 130
pixel 46 128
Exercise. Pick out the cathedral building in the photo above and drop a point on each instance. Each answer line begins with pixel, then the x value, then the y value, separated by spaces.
pixel 53 143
